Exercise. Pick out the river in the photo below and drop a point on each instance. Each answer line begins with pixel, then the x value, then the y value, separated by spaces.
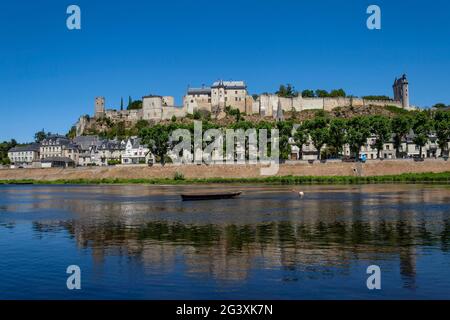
pixel 143 242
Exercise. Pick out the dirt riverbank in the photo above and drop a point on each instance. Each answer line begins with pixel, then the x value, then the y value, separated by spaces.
pixel 331 168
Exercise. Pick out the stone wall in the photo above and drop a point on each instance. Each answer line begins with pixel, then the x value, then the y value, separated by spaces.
pixel 268 103
pixel 169 112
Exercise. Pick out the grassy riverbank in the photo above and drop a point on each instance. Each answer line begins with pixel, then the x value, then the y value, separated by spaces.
pixel 275 180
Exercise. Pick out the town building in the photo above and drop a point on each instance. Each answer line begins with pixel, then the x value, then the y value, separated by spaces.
pixel 407 149
pixel 107 152
pixel 24 156
pixel 135 152
pixel 57 162
pixel 52 146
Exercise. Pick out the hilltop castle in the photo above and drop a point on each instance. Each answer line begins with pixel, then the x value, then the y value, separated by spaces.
pixel 234 94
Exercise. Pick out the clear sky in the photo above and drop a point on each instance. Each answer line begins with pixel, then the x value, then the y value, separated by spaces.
pixel 49 76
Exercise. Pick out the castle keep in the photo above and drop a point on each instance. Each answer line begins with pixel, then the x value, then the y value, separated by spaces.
pixel 234 94
pixel 401 91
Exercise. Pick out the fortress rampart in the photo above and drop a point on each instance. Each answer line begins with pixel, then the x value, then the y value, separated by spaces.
pixel 234 94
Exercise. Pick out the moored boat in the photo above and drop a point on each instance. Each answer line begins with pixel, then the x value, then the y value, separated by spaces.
pixel 209 196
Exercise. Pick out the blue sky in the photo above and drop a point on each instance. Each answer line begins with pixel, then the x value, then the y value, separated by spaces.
pixel 49 75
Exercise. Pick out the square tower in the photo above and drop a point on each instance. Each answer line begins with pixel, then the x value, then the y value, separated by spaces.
pixel 99 107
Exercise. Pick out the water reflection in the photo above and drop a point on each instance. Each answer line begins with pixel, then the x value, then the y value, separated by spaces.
pixel 269 228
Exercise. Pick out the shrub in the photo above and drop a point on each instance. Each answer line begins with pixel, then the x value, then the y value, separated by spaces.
pixel 113 162
pixel 178 176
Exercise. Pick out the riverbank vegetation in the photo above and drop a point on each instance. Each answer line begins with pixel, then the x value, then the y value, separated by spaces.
pixel 178 179
pixel 4 147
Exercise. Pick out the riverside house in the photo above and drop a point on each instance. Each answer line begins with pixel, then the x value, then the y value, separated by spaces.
pixel 24 156
pixel 135 152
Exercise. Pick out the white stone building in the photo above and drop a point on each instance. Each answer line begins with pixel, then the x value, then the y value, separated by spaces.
pixel 135 152
pixel 59 146
pixel 24 156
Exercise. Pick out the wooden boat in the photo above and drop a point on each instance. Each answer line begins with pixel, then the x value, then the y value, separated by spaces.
pixel 209 196
pixel 20 183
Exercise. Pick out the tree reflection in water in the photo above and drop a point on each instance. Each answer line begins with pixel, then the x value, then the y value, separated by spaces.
pixel 321 235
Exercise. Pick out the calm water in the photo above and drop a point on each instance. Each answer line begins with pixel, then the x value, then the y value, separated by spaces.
pixel 142 242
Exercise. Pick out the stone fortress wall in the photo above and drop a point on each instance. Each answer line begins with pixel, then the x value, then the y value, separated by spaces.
pixel 267 104
pixel 234 94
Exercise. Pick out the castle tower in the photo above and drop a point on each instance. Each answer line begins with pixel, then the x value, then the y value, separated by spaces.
pixel 99 107
pixel 405 92
pixel 401 91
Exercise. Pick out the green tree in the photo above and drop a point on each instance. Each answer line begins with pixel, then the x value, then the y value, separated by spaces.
pixel 442 128
pixel 4 148
pixel 121 103
pixel 422 128
pixel 286 91
pixel 384 98
pixel 141 124
pixel 319 133
pixel 380 127
pixel 440 106
pixel 322 93
pixel 135 105
pixel 401 125
pixel 337 93
pixel 358 131
pixel 72 133
pixel 285 131
pixel 40 135
pixel 157 139
pixel 337 135
pixel 308 94
pixel 300 138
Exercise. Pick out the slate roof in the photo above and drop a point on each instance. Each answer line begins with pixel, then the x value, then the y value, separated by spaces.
pixel 57 159
pixel 85 142
pixel 31 147
pixel 230 84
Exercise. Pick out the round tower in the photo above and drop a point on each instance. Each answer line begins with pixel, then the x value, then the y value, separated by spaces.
pixel 405 92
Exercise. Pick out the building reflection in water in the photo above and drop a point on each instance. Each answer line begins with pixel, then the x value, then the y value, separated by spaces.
pixel 269 228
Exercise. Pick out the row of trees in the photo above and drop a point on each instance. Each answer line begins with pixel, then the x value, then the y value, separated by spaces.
pixel 335 133
pixel 327 134
pixel 288 91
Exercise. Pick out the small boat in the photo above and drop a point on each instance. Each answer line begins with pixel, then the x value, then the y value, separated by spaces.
pixel 209 196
